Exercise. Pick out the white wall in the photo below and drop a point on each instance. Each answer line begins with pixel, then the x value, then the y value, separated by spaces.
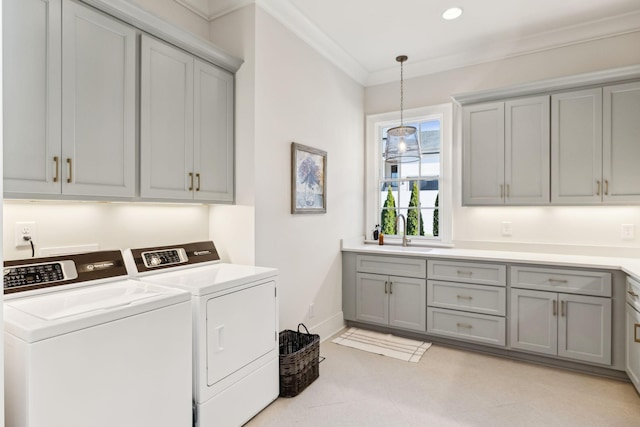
pixel 233 227
pixel 110 225
pixel 592 230
pixel 302 97
pixel 290 93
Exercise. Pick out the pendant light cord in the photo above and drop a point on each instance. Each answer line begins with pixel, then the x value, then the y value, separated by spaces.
pixel 401 60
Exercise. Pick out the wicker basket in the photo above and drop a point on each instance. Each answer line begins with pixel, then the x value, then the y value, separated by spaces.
pixel 299 360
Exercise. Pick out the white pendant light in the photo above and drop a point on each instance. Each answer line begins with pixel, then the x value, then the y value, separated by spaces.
pixel 403 142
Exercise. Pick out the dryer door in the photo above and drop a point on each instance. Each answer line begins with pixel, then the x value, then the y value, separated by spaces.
pixel 241 327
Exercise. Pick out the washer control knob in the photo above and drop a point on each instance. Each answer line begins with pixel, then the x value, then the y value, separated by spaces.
pixel 155 260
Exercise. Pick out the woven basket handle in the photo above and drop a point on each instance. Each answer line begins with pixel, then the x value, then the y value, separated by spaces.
pixel 305 328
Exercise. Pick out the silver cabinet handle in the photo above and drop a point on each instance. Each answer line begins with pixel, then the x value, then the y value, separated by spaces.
pixel 562 308
pixel 465 272
pixel 190 181
pixel 198 178
pixel 464 297
pixel 558 281
pixel 57 162
pixel 633 294
pixel 606 187
pixel 390 287
pixel 70 164
pixel 555 307
pixel 385 287
pixel 501 191
pixel 507 191
pixel 598 190
pixel 464 325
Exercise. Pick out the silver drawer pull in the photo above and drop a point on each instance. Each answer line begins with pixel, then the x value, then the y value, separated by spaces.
pixel 464 325
pixel 633 294
pixel 558 281
pixel 464 297
pixel 465 272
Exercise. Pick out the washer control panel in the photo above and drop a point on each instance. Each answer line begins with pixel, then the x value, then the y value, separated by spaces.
pixel 164 257
pixel 44 274
pixel 39 274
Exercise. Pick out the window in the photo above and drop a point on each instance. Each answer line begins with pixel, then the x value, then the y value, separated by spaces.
pixel 411 189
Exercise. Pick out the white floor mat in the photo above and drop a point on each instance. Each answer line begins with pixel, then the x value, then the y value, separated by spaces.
pixel 384 344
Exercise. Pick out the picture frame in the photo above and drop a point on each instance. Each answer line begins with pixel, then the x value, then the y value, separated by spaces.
pixel 308 180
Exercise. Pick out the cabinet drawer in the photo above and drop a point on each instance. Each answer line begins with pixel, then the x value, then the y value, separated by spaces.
pixel 466 297
pixel 561 280
pixel 633 292
pixel 394 266
pixel 468 272
pixel 466 326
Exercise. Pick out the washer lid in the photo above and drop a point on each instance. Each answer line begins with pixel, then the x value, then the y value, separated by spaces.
pixel 44 316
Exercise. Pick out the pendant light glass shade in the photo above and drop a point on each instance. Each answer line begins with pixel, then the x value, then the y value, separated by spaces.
pixel 403 142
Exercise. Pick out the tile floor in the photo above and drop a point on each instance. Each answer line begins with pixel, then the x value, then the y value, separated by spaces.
pixel 450 387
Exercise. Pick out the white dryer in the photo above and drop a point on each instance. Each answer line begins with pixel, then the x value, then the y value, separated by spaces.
pixel 235 327
pixel 86 346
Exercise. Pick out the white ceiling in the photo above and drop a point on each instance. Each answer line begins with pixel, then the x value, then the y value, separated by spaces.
pixel 363 37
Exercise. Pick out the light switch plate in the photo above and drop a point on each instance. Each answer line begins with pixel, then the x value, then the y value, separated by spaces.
pixel 628 232
pixel 506 228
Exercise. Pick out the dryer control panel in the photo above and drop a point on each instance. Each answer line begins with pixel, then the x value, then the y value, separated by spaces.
pixel 144 260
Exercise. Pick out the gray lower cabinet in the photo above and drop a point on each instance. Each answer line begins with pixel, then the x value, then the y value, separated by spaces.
pixel 467 301
pixel 391 300
pixel 561 324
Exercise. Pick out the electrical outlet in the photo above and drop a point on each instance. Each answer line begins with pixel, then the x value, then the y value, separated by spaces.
pixel 506 228
pixel 25 231
pixel 628 232
pixel 311 311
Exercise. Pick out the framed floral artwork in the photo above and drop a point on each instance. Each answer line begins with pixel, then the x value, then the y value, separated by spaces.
pixel 308 179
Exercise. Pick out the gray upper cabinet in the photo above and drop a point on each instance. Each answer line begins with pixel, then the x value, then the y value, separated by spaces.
pixel 506 152
pixel 483 154
pixel 576 147
pixel 69 102
pixel 32 95
pixel 98 104
pixel 621 143
pixel 213 133
pixel 186 126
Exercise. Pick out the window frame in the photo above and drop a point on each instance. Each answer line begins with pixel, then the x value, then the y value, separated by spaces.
pixel 375 123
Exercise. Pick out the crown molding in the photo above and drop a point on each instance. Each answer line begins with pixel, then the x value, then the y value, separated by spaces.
pixel 294 20
pixel 585 32
pixel 209 12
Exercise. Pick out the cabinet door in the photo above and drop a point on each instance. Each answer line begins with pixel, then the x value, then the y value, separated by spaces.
pixel 372 298
pixel 576 147
pixel 32 95
pixel 166 121
pixel 534 321
pixel 408 303
pixel 527 163
pixel 621 147
pixel 213 133
pixel 633 346
pixel 98 104
pixel 483 154
pixel 584 328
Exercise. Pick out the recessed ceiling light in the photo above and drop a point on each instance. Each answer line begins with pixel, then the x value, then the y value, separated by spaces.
pixel 452 13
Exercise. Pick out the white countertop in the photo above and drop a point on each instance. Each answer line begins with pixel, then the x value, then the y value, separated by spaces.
pixel 630 266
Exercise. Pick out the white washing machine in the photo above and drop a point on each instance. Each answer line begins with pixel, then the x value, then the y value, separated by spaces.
pixel 235 327
pixel 86 346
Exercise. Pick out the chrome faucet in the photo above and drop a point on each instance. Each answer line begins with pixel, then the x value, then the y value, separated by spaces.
pixel 404 236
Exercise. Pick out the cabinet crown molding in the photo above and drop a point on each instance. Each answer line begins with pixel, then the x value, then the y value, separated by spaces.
pixel 602 77
pixel 151 24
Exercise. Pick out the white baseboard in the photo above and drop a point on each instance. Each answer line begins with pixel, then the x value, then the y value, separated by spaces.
pixel 327 328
